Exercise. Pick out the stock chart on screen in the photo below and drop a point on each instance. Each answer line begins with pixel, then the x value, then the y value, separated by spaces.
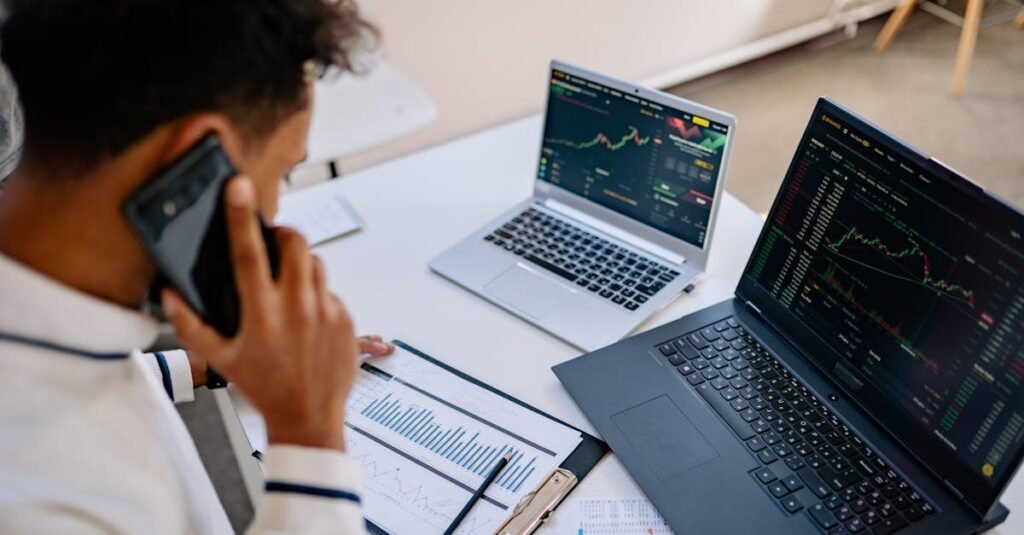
pixel 649 162
pixel 915 282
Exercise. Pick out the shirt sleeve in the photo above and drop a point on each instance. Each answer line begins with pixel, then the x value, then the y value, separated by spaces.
pixel 172 370
pixel 309 490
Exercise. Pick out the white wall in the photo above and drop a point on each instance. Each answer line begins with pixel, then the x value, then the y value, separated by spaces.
pixel 484 62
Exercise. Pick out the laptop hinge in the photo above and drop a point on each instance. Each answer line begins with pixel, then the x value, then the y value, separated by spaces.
pixel 611 230
pixel 953 489
pixel 753 307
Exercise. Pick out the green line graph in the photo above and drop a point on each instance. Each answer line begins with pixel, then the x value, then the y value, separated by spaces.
pixel 602 139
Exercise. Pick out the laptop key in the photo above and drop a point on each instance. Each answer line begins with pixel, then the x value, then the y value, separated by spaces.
pixel 890 525
pixel 791 504
pixel 795 463
pixel 822 516
pixel 676 359
pixel 778 489
pixel 765 475
pixel 719 383
pixel 710 334
pixel 732 419
pixel 767 456
pixel 696 341
pixel 756 444
pixel 792 482
pixel 686 349
pixel 856 525
pixel 749 415
pixel 685 368
pixel 813 482
pixel 695 379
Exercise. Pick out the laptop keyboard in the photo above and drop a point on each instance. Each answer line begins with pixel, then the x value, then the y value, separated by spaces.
pixel 800 442
pixel 614 273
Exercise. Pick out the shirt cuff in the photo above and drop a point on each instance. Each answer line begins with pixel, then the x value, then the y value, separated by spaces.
pixel 312 471
pixel 174 373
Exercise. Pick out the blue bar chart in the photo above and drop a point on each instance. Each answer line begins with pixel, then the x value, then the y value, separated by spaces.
pixel 464 446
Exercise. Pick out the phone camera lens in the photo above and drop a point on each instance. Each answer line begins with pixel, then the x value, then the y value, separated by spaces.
pixel 170 208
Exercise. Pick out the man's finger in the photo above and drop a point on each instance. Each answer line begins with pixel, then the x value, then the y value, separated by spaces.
pixel 296 260
pixel 376 348
pixel 189 327
pixel 319 276
pixel 248 252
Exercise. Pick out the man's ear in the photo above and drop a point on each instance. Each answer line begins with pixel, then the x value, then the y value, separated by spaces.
pixel 188 131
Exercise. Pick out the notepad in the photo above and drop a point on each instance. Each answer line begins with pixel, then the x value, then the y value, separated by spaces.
pixel 426 436
pixel 318 215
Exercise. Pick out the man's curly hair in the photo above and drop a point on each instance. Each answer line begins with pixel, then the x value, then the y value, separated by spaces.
pixel 95 76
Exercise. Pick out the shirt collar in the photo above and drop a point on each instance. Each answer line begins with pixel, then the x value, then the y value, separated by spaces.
pixel 37 307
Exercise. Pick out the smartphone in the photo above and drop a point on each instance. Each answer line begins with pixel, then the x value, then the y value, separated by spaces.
pixel 179 217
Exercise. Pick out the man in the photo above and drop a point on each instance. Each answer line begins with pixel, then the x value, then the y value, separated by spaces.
pixel 111 92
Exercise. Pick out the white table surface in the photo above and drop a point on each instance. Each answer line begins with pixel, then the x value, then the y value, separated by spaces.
pixel 415 207
pixel 355 113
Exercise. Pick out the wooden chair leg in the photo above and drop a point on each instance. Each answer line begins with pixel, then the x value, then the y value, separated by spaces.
pixel 968 37
pixel 894 24
pixel 1018 21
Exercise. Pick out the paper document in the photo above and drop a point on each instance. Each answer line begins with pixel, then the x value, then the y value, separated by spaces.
pixel 426 439
pixel 610 516
pixel 318 215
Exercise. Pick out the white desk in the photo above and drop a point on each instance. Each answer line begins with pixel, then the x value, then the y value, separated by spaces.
pixel 354 113
pixel 417 206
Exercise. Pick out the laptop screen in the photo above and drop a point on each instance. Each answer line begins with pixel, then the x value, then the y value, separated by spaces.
pixel 914 277
pixel 649 162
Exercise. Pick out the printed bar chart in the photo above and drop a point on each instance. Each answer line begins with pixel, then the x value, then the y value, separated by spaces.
pixel 455 444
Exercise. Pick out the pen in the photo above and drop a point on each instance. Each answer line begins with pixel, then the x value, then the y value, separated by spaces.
pixel 479 493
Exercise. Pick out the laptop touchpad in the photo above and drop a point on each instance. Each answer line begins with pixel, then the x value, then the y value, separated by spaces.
pixel 664 436
pixel 531 293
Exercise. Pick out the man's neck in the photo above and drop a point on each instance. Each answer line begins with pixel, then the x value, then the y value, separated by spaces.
pixel 71 230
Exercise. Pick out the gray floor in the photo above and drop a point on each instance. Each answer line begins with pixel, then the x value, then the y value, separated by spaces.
pixel 904 90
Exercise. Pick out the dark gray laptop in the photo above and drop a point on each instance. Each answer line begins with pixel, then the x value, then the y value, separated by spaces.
pixel 865 378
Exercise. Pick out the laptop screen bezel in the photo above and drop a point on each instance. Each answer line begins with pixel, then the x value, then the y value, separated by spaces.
pixel 544 190
pixel 979 495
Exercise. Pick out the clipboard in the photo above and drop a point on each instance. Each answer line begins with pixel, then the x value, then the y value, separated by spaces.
pixel 537 505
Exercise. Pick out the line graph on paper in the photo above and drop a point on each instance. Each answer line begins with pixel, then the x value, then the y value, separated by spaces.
pixel 405 492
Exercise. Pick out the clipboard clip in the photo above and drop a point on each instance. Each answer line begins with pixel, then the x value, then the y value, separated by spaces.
pixel 535 508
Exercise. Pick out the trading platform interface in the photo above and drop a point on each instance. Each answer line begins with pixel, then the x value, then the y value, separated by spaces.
pixel 655 164
pixel 918 284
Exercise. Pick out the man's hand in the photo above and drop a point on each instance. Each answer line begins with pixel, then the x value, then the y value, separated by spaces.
pixel 371 345
pixel 295 354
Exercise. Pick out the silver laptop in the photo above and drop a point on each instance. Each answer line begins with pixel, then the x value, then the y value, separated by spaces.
pixel 628 184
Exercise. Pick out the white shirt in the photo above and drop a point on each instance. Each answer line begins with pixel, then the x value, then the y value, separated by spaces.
pixel 90 441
